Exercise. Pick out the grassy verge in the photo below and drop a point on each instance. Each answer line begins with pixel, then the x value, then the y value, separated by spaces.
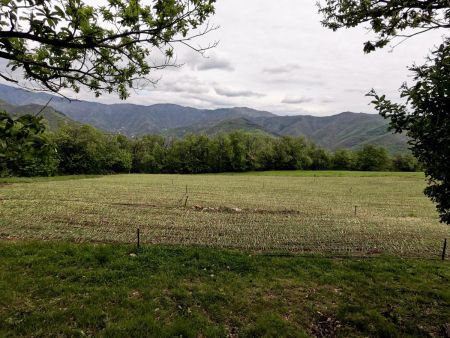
pixel 288 173
pixel 57 289
pixel 328 173
pixel 45 179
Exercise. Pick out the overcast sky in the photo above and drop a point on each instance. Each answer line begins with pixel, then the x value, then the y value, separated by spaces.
pixel 276 56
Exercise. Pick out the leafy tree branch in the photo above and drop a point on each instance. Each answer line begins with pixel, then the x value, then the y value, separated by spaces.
pixel 388 19
pixel 106 48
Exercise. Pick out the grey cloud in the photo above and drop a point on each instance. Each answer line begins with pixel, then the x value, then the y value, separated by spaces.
pixel 327 100
pixel 220 64
pixel 201 63
pixel 281 69
pixel 236 93
pixel 296 100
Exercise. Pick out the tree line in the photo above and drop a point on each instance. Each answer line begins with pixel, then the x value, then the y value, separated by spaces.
pixel 27 149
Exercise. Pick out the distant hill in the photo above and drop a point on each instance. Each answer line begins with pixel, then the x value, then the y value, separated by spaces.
pixel 345 130
pixel 53 118
pixel 224 126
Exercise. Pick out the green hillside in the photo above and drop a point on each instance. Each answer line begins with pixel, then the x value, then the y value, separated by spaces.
pixel 345 130
pixel 225 126
pixel 54 118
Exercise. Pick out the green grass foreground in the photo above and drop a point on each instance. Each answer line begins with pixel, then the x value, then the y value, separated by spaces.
pixel 61 289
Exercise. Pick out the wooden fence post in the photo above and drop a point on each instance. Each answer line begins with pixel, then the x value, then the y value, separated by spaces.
pixel 138 238
pixel 444 249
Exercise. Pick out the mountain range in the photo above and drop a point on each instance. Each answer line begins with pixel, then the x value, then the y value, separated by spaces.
pixel 54 118
pixel 344 130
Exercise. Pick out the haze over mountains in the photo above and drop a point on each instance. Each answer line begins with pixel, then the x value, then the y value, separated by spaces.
pixel 345 130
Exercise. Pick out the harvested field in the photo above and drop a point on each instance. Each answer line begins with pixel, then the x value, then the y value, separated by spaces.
pixel 294 212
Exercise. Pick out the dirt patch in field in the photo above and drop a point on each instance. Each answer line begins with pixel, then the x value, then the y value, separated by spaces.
pixel 200 208
pixel 136 205
pixel 79 222
pixel 2 185
pixel 277 212
pixel 7 237
pixel 325 326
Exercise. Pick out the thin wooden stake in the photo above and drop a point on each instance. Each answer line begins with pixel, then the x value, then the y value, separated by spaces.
pixel 185 201
pixel 444 249
pixel 138 238
pixel 356 208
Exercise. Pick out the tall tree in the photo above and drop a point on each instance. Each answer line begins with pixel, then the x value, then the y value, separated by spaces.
pixel 372 158
pixel 82 150
pixel 344 159
pixel 149 154
pixel 221 153
pixel 106 48
pixel 426 120
pixel 425 114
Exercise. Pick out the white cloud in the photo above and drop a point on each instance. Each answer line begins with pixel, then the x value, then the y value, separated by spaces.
pixel 187 84
pixel 282 69
pixel 296 100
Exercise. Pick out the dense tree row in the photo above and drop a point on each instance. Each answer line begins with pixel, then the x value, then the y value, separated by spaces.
pixel 86 150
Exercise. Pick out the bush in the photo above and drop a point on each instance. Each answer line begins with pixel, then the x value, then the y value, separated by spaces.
pixel 405 163
pixel 25 148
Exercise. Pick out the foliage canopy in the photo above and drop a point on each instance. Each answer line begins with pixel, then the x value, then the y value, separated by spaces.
pixel 389 19
pixel 25 148
pixel 426 120
pixel 425 114
pixel 82 149
pixel 105 47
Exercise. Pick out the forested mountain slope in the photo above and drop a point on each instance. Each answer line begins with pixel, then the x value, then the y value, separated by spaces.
pixel 345 130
